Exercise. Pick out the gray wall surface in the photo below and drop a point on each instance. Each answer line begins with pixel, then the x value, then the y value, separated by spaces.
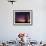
pixel 37 31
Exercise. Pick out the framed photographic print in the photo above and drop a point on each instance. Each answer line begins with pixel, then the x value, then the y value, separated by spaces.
pixel 22 17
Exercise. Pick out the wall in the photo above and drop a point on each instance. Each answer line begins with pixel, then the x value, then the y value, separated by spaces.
pixel 37 31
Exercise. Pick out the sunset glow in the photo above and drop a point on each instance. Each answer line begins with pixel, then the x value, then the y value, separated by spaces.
pixel 22 17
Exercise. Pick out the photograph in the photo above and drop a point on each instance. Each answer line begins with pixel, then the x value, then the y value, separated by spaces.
pixel 22 17
pixel 22 22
